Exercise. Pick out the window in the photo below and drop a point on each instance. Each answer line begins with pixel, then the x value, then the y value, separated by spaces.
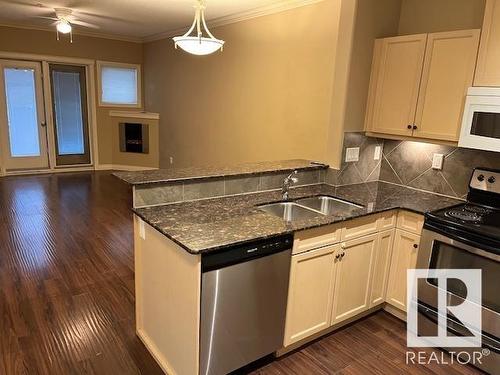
pixel 119 84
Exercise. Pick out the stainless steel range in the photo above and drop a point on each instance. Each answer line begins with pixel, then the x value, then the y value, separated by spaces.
pixel 466 236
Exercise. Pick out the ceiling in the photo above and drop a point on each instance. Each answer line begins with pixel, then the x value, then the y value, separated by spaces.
pixel 137 19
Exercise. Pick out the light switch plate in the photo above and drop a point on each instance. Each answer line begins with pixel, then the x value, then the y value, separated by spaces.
pixel 351 154
pixel 378 152
pixel 437 161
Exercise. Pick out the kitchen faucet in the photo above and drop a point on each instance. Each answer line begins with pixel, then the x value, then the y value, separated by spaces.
pixel 287 182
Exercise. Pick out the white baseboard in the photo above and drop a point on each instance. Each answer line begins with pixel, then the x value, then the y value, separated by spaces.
pixel 100 167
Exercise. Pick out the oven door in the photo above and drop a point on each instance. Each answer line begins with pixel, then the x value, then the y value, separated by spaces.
pixel 441 252
pixel 481 123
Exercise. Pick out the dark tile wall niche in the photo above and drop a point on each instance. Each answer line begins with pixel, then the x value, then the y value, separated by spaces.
pixel 134 137
pixel 410 164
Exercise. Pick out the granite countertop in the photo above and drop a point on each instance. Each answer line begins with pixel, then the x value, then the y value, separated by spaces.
pixel 212 224
pixel 200 173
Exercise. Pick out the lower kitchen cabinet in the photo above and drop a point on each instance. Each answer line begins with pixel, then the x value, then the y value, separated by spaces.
pixel 310 293
pixel 404 256
pixel 354 268
pixel 381 266
pixel 333 283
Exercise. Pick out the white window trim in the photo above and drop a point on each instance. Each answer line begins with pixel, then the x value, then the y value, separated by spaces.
pixel 100 64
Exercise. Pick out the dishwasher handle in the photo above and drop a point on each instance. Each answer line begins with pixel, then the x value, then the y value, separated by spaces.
pixel 245 252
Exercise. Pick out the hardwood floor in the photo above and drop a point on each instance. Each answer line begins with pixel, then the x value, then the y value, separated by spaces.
pixel 67 291
pixel 373 345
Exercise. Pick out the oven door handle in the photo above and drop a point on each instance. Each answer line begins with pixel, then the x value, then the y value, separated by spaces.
pixel 459 330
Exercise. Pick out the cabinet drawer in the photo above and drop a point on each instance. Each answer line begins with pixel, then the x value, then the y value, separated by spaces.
pixel 410 222
pixel 317 237
pixel 387 220
pixel 360 227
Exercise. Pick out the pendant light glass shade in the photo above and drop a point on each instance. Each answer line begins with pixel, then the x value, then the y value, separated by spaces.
pixel 198 44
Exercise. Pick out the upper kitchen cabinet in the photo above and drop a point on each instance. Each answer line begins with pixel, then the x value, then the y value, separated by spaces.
pixel 419 83
pixel 448 72
pixel 396 73
pixel 487 71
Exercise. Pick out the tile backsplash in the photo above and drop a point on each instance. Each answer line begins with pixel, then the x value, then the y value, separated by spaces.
pixel 410 164
pixel 161 193
pixel 366 169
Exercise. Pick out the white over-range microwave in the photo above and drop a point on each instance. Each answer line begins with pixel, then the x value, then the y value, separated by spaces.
pixel 481 121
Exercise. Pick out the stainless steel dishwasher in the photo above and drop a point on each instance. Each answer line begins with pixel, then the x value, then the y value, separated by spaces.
pixel 243 304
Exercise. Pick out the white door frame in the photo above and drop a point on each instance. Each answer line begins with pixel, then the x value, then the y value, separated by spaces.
pixel 45 60
pixel 40 161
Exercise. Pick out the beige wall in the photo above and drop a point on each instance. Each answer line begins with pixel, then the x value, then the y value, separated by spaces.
pixel 277 91
pixel 267 96
pixel 374 19
pixel 427 16
pixel 45 43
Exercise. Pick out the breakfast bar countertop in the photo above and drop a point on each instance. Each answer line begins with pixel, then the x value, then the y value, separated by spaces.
pixel 155 176
pixel 212 224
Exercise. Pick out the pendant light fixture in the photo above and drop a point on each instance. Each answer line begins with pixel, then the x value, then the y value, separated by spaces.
pixel 199 44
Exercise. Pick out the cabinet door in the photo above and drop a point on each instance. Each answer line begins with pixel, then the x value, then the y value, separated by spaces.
pixel 310 294
pixel 410 222
pixel 404 257
pixel 397 84
pixel 450 59
pixel 487 71
pixel 381 265
pixel 354 267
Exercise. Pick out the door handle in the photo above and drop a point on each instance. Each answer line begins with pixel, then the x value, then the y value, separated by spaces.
pixel 43 124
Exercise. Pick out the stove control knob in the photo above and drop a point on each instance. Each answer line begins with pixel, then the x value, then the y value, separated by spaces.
pixel 480 177
pixel 491 180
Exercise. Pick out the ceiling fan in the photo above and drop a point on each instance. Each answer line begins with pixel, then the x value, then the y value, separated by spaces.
pixel 64 19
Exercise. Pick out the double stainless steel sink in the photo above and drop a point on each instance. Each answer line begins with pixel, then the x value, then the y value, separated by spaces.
pixel 309 208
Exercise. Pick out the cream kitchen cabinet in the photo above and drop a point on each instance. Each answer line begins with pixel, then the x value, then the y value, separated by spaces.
pixel 353 276
pixel 419 83
pixel 487 71
pixel 381 266
pixel 310 293
pixel 395 87
pixel 404 257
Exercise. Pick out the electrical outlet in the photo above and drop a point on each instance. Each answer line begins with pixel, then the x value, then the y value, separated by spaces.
pixel 171 160
pixel 437 161
pixel 142 230
pixel 351 154
pixel 370 206
pixel 378 152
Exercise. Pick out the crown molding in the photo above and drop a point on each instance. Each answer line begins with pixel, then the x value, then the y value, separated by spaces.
pixel 76 31
pixel 277 7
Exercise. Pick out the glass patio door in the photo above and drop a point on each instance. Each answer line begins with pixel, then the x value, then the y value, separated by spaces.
pixel 69 105
pixel 23 136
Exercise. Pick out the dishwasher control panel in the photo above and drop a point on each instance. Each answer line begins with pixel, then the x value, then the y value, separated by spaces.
pixel 245 252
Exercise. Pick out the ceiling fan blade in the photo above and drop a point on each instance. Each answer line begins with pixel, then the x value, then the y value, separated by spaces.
pixel 47 18
pixel 98 17
pixel 84 24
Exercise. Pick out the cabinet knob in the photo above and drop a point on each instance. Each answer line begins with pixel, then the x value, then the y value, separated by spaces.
pixel 337 256
pixel 415 246
pixel 409 127
pixel 415 127
pixel 342 255
pixel 491 180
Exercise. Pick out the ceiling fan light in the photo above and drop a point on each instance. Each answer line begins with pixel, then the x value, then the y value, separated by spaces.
pixel 64 27
pixel 198 46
